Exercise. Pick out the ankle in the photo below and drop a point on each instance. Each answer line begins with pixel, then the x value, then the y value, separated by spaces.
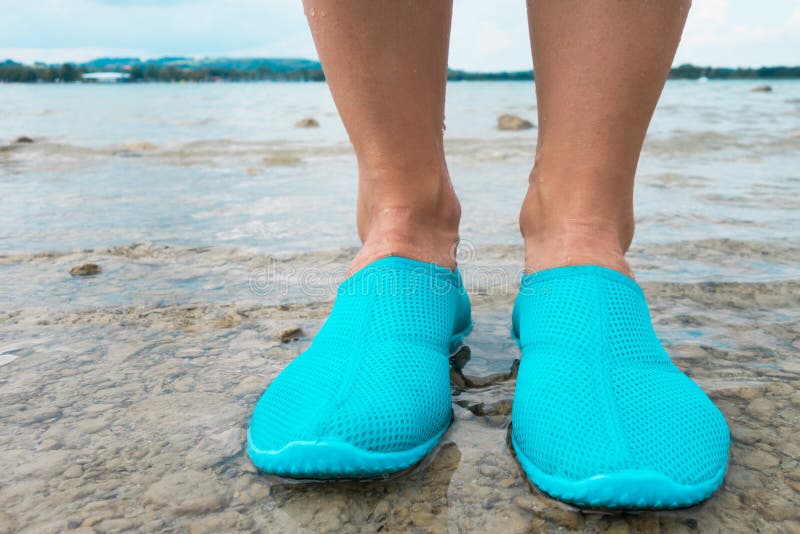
pixel 563 236
pixel 421 223
pixel 570 248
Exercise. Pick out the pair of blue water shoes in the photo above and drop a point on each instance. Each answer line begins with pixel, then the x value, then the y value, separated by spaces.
pixel 601 416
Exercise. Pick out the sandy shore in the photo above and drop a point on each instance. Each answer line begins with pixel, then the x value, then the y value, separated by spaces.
pixel 131 415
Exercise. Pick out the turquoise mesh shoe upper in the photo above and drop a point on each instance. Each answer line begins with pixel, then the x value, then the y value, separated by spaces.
pixel 376 376
pixel 597 395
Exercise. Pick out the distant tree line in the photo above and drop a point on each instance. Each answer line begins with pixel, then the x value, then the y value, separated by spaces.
pixel 466 76
pixel 16 72
pixel 69 72
pixel 11 71
pixel 693 72
pixel 171 73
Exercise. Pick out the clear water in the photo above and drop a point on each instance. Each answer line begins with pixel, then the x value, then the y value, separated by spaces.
pixel 217 223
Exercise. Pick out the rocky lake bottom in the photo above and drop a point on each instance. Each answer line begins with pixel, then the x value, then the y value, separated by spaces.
pixel 134 417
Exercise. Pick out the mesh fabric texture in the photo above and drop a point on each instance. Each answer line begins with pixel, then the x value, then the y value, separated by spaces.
pixel 596 393
pixel 376 375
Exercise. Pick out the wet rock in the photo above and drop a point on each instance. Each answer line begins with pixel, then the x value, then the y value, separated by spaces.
pixel 7 521
pixel 794 485
pixel 746 393
pixel 508 483
pixel 229 521
pixel 619 527
pixel 460 358
pixel 488 470
pixel 744 434
pixel 792 448
pixel 781 389
pixel 87 269
pixel 422 518
pixel 216 448
pixel 498 408
pixel 282 160
pixel 457 379
pixel 73 471
pixel 744 478
pixel 289 334
pixel 490 380
pixel 49 445
pixel 776 507
pixel 512 122
pixel 188 492
pixel 762 89
pixel 91 426
pixel 524 502
pixel 249 385
pixel 138 146
pixel 44 464
pixel 35 416
pixel 95 519
pixel 760 460
pixel 117 524
pixel 23 139
pixel 565 518
pixel 457 363
pixel 762 409
pixel 461 380
pixel 308 122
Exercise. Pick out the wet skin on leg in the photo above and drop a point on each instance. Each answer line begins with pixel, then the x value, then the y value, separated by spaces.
pixel 600 68
pixel 386 65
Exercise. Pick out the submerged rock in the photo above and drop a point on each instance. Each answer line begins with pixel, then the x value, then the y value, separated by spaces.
pixel 513 122
pixel 216 448
pixel 281 160
pixel 188 493
pixel 762 89
pixel 289 334
pixel 308 122
pixel 138 146
pixel 460 358
pixel 23 139
pixel 87 269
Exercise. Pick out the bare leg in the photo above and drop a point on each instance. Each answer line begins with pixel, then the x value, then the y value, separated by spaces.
pixel 386 64
pixel 600 67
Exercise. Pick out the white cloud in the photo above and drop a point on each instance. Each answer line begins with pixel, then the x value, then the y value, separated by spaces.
pixel 77 55
pixel 741 33
pixel 485 35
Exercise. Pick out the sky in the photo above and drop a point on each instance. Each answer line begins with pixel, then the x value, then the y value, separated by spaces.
pixel 486 36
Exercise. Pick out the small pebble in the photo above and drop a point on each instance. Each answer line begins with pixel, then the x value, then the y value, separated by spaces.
pixel 525 502
pixel 308 122
pixel 73 471
pixel 289 334
pixel 87 269
pixel 513 122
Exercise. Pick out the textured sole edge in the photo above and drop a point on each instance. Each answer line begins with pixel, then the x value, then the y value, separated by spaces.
pixel 630 490
pixel 333 459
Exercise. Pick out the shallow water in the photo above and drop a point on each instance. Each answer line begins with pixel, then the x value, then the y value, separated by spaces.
pixel 125 395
